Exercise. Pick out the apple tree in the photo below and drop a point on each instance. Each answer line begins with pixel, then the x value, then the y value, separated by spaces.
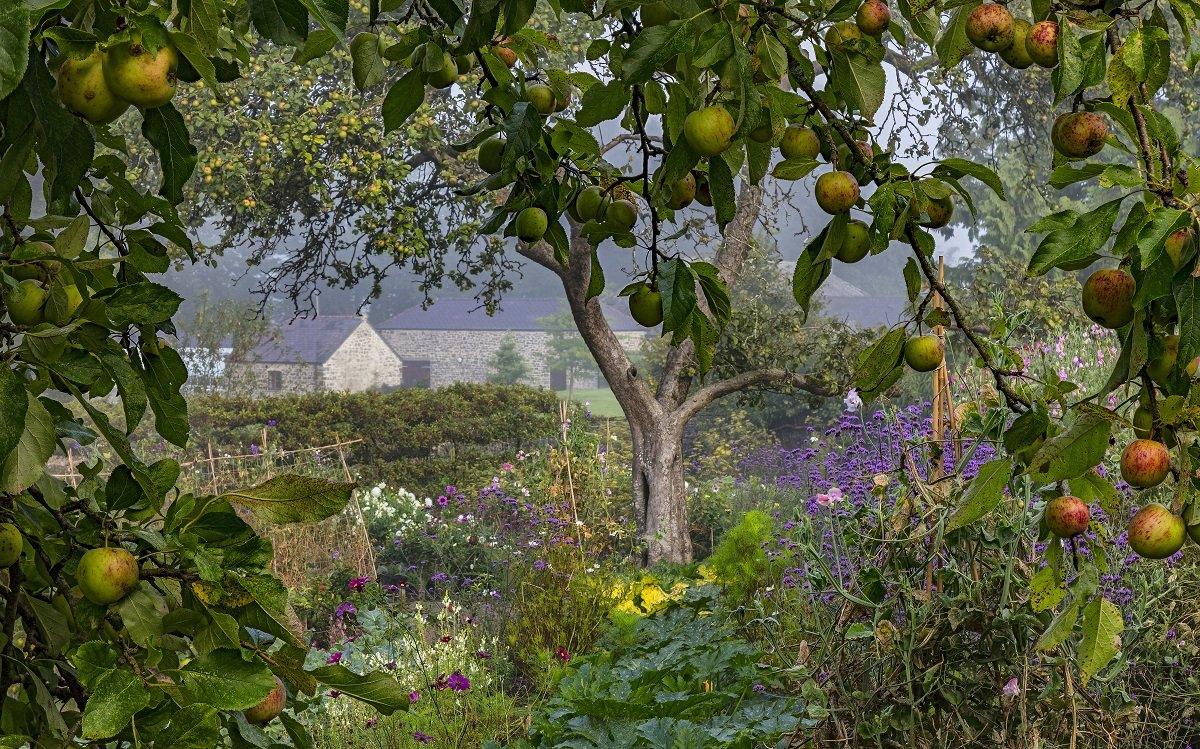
pixel 134 612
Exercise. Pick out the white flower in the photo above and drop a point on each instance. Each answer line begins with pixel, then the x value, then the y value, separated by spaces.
pixel 852 401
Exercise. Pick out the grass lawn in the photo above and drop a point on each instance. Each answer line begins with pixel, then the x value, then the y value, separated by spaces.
pixel 601 401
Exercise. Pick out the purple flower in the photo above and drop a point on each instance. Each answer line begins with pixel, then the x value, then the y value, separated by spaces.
pixel 334 694
pixel 335 657
pixel 344 608
pixel 1011 688
pixel 413 696
pixel 372 722
pixel 456 682
pixel 358 584
pixel 424 738
pixel 272 422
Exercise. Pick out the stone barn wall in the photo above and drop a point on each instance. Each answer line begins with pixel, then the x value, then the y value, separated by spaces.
pixel 293 378
pixel 363 362
pixel 463 355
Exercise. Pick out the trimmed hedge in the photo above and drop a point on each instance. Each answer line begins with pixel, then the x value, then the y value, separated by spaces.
pixel 416 438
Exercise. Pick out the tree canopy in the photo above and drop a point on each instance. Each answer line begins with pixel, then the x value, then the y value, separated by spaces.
pixel 138 613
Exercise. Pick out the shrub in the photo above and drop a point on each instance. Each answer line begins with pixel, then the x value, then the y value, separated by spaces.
pixel 417 438
pixel 740 560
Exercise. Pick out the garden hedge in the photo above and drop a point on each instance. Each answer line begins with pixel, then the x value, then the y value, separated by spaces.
pixel 416 438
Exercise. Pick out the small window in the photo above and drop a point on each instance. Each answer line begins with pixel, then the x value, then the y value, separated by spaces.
pixel 275 380
pixel 416 373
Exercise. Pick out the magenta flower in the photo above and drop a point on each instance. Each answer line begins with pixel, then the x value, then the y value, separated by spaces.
pixel 413 696
pixel 358 584
pixel 334 658
pixel 457 682
pixel 562 654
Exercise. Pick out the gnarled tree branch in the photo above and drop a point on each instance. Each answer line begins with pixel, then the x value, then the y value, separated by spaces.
pixel 777 376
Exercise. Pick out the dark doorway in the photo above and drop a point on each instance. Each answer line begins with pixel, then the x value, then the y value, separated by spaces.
pixel 415 374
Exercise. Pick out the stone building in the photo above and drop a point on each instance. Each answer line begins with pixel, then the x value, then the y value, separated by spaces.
pixel 327 352
pixel 454 340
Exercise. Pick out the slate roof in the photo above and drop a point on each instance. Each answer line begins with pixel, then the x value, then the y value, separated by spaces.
pixel 864 311
pixel 514 314
pixel 306 340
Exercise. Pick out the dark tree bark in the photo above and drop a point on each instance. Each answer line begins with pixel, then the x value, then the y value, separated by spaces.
pixel 657 418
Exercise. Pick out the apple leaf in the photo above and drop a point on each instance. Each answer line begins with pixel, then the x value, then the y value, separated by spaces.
pixel 380 691
pixel 983 495
pixel 225 680
pixel 118 696
pixel 23 466
pixel 1075 451
pixel 14 46
pixel 293 499
pixel 1102 627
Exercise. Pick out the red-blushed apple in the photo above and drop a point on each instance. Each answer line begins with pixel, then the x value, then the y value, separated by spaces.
pixel 1155 532
pixel 1145 463
pixel 270 707
pixel 1067 516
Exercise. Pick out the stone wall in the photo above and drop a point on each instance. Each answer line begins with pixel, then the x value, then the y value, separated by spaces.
pixel 362 362
pixel 255 377
pixel 463 355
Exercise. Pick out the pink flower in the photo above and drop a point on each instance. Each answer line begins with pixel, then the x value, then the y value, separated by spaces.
pixel 506 468
pixel 1012 688
pixel 834 495
pixel 413 696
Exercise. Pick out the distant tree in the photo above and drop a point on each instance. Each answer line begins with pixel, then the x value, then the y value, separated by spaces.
pixel 507 365
pixel 566 349
pixel 219 331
